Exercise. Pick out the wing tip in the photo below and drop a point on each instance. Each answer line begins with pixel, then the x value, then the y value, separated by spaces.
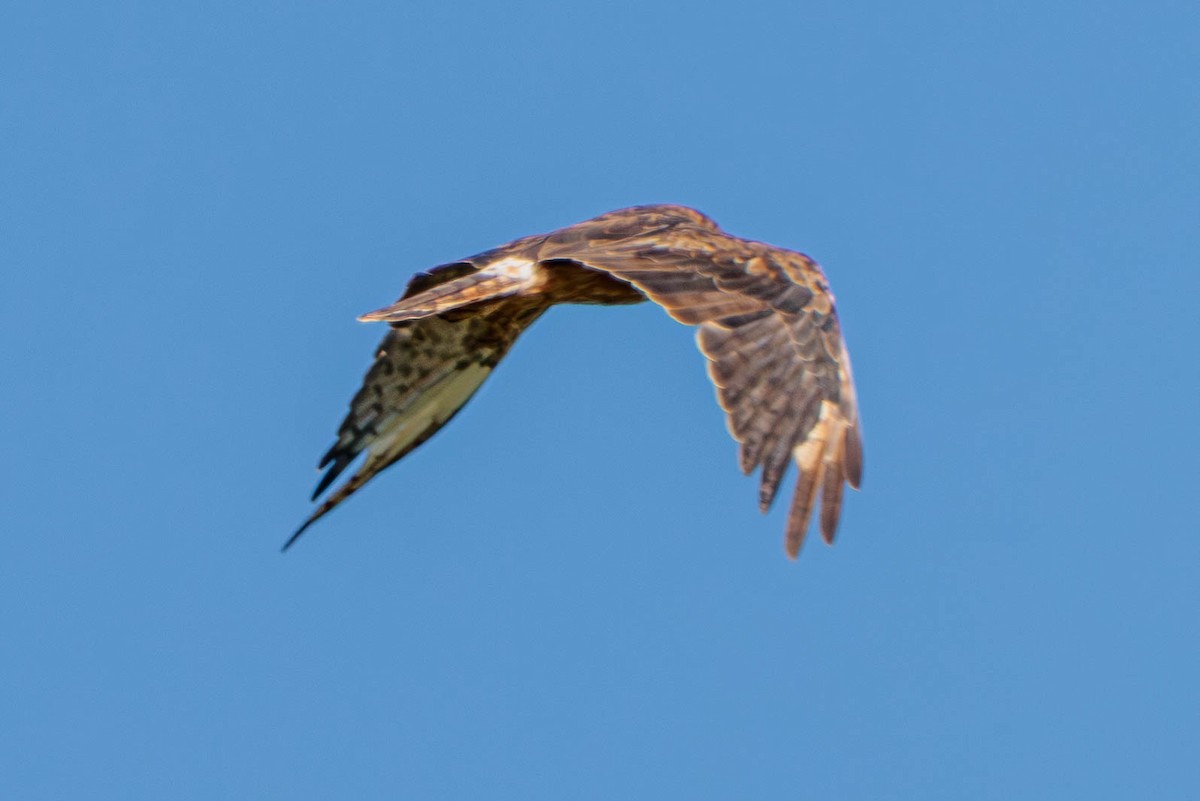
pixel 802 504
pixel 323 484
pixel 792 543
pixel 828 459
pixel 831 505
pixel 327 506
pixel 852 456
pixel 296 535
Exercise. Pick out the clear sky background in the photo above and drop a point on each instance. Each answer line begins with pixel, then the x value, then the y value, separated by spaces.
pixel 569 593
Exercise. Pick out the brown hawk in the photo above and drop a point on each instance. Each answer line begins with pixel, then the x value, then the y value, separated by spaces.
pixel 765 319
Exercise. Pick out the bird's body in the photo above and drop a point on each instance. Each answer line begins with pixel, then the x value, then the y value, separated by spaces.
pixel 765 316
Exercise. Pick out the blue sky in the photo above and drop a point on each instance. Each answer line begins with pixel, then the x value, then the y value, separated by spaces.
pixel 569 593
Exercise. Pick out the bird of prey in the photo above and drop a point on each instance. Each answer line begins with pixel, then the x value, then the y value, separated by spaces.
pixel 765 320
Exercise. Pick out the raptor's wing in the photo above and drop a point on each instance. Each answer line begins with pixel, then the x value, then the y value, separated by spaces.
pixel 425 371
pixel 768 326
pixel 766 322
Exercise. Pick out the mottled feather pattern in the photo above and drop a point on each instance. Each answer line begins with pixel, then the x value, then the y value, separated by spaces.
pixel 779 297
pixel 766 322
pixel 415 361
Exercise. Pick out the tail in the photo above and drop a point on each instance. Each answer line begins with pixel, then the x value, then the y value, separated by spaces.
pixel 509 276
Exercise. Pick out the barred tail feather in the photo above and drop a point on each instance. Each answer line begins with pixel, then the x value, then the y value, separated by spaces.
pixel 503 279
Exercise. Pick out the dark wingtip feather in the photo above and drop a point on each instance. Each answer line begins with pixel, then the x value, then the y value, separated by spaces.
pixel 292 539
pixel 802 504
pixel 326 506
pixel 852 457
pixel 831 505
pixel 341 460
pixel 329 455
pixel 746 461
pixel 343 492
pixel 772 474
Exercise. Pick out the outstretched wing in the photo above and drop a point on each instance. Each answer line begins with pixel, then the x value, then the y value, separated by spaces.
pixel 425 371
pixel 766 322
pixel 768 326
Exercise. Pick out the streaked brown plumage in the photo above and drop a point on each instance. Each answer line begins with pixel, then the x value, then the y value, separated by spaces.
pixel 765 316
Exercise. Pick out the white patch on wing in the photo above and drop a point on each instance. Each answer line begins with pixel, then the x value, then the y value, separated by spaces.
pixel 515 267
pixel 432 408
pixel 808 454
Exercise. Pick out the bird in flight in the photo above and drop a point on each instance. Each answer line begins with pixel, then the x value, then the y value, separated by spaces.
pixel 764 316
